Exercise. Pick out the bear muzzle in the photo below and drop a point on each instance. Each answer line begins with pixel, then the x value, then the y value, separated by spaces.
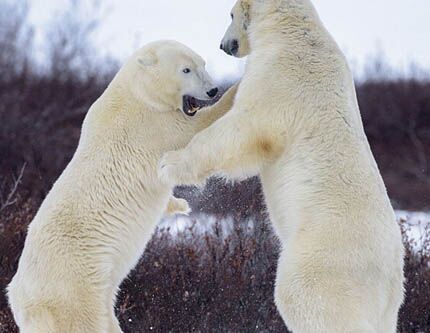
pixel 231 47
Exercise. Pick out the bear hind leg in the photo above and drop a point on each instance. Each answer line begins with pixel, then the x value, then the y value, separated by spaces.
pixel 311 302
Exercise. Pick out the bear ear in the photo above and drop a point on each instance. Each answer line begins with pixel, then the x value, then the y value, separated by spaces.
pixel 148 59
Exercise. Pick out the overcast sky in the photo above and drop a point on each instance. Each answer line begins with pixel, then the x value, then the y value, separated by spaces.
pixel 399 28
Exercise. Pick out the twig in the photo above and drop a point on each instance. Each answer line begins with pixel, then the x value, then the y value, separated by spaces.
pixel 10 200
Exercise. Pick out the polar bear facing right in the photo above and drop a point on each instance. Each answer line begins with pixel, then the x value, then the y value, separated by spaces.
pixel 95 222
pixel 296 122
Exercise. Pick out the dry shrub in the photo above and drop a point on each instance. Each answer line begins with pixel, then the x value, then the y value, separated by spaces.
pixel 415 313
pixel 210 282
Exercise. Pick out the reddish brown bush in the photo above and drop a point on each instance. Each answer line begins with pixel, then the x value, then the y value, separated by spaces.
pixel 213 281
pixel 415 314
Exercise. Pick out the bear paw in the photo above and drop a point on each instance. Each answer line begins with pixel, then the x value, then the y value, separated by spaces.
pixel 174 168
pixel 178 206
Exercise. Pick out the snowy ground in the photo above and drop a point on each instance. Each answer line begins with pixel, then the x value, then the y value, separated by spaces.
pixel 417 224
pixel 200 223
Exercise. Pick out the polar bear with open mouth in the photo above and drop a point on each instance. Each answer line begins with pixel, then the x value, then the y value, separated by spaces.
pixel 95 222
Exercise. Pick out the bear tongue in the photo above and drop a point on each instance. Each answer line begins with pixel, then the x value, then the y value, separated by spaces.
pixel 190 105
pixel 193 103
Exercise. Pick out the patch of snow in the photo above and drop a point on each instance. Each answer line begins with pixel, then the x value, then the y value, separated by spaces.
pixel 417 225
pixel 200 223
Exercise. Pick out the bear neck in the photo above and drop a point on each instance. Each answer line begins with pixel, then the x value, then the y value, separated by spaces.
pixel 143 96
pixel 154 99
pixel 294 22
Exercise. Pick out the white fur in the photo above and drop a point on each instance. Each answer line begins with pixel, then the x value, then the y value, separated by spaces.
pixel 296 122
pixel 94 224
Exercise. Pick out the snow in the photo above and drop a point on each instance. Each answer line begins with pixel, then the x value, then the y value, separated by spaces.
pixel 200 223
pixel 416 224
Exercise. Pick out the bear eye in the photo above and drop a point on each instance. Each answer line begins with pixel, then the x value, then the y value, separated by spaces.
pixel 232 16
pixel 186 70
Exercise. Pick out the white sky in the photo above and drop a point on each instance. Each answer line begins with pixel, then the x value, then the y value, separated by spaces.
pixel 400 28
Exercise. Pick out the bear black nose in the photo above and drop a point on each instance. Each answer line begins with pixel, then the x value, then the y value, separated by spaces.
pixel 234 47
pixel 231 47
pixel 221 46
pixel 212 93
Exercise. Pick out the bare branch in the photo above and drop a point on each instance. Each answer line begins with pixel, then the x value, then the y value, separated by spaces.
pixel 10 199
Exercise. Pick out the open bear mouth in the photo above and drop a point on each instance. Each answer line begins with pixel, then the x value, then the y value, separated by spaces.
pixel 190 105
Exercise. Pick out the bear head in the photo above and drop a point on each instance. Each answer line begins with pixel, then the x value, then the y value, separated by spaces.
pixel 249 16
pixel 169 76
